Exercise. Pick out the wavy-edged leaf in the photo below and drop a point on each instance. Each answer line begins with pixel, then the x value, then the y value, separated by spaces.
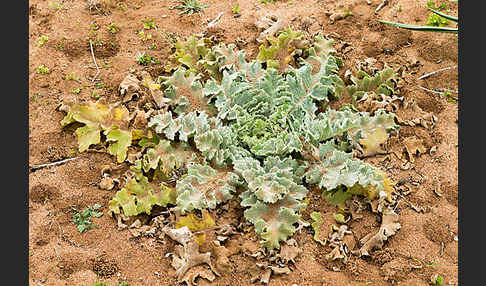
pixel 316 226
pixel 167 155
pixel 196 224
pixel 336 168
pixel 189 53
pixel 186 125
pixel 184 90
pixel 270 183
pixel 97 117
pixel 281 52
pixel 274 221
pixel 139 196
pixel 204 187
pixel 383 82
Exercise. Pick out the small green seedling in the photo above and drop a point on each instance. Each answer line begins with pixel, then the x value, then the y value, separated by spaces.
pixel 433 265
pixel 73 76
pixel 435 20
pixel 76 91
pixel 42 69
pixel 439 280
pixel 236 9
pixel 100 85
pixel 36 97
pixel 399 9
pixel 347 12
pixel 148 23
pixel 144 37
pixel 94 95
pixel 98 283
pixel 190 7
pixel 143 59
pixel 43 39
pixel 268 1
pixel 82 219
pixel 113 28
pixel 105 64
pixel 56 5
pixel 431 4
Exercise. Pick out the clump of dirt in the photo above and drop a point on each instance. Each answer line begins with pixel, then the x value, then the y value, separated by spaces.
pixel 103 267
pixel 40 193
pixel 451 194
pixel 436 229
pixel 430 104
pixel 73 48
pixel 71 263
pixel 396 270
pixel 386 41
pixel 434 50
pixel 382 256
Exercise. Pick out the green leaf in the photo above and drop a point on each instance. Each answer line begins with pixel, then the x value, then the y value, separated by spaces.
pixel 274 221
pixel 166 155
pixel 282 49
pixel 204 188
pixel 339 218
pixel 316 226
pixel 337 198
pixel 184 91
pixel 123 139
pixel 139 196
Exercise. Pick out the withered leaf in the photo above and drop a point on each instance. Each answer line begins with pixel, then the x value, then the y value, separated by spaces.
pixel 188 256
pixel 389 227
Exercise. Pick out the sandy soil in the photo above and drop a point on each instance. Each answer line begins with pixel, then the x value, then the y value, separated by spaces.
pixel 426 244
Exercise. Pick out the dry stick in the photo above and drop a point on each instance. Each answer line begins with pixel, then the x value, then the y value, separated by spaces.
pixel 434 72
pixel 94 60
pixel 213 22
pixel 449 90
pixel 37 167
pixel 439 92
pixel 382 4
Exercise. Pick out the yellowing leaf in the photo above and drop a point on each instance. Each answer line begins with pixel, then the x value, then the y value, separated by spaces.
pixel 99 117
pixel 195 224
pixel 371 143
pixel 371 192
pixel 316 226
pixel 123 140
pixel 139 196
pixel 339 218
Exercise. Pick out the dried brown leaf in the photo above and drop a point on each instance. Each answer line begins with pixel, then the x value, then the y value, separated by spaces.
pixel 414 145
pixel 188 256
pixel 389 227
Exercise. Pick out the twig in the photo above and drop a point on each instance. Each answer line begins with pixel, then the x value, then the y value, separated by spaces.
pixel 434 72
pixel 213 22
pixel 448 90
pixel 37 167
pixel 382 4
pixel 439 92
pixel 94 60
